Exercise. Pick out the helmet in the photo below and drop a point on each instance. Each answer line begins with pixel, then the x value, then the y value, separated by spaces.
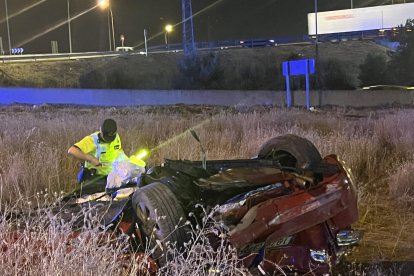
pixel 108 130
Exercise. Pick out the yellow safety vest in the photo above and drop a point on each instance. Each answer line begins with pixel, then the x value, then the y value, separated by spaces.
pixel 106 153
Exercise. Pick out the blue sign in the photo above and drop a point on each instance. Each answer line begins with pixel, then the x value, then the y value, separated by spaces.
pixel 15 51
pixel 297 68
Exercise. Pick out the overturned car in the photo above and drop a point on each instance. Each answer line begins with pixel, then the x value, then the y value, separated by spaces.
pixel 287 208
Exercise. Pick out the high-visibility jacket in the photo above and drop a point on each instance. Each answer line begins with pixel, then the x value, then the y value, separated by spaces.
pixel 105 152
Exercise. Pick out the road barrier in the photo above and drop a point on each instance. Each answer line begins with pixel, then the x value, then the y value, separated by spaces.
pixel 102 97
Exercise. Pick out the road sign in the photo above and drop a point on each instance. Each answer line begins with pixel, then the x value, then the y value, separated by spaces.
pixel 297 68
pixel 17 51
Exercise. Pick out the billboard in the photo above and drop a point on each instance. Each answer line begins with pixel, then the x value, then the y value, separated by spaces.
pixel 361 19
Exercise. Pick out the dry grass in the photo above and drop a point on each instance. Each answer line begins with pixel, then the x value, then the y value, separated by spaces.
pixel 45 245
pixel 202 257
pixel 377 144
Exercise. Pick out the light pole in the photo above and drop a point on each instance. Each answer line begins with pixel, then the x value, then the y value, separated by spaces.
pixel 8 27
pixel 316 30
pixel 145 42
pixel 168 29
pixel 352 4
pixel 109 32
pixel 105 4
pixel 69 31
pixel 112 27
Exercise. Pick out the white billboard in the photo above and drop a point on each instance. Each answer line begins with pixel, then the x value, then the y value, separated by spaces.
pixel 362 19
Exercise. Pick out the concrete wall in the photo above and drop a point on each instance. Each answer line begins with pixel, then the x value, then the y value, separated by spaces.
pixel 101 97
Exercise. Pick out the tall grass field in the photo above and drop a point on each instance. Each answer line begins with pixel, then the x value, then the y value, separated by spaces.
pixel 35 169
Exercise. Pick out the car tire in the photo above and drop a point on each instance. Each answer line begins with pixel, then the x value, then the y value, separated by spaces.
pixel 161 219
pixel 290 150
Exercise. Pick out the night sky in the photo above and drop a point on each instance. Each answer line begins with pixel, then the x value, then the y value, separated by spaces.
pixel 225 20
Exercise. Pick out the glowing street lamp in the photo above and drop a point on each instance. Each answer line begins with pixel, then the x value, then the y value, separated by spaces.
pixel 105 4
pixel 168 29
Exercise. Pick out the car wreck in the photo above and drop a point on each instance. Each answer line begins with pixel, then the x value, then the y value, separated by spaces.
pixel 287 208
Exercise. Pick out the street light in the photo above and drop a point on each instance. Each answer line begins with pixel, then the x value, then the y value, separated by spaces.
pixel 105 4
pixel 168 29
pixel 8 27
pixel 122 37
pixel 69 31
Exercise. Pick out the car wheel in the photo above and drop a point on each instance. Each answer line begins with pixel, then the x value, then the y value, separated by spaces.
pixel 161 219
pixel 290 150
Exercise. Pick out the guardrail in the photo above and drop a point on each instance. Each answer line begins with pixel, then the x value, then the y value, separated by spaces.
pixel 118 97
pixel 56 57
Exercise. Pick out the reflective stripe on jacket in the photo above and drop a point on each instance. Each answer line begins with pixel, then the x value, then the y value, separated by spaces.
pixel 106 153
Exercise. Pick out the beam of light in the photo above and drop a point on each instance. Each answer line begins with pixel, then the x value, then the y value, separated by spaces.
pixel 181 22
pixel 58 25
pixel 143 153
pixel 23 10
pixel 180 135
pixel 135 160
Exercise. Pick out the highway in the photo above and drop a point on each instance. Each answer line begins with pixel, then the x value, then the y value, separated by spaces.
pixel 56 57
pixel 203 46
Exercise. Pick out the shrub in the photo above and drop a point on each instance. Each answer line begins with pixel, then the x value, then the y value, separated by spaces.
pixel 6 80
pixel 335 74
pixel 199 72
pixel 402 62
pixel 50 82
pixel 374 70
pixel 92 79
pixel 118 79
pixel 265 76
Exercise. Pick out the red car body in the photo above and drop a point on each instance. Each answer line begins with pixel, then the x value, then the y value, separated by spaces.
pixel 278 215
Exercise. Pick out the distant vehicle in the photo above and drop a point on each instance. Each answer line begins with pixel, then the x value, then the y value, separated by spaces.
pixel 124 49
pixel 388 87
pixel 257 43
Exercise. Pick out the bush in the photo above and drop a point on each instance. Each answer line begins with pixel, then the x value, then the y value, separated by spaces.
pixel 92 79
pixel 402 63
pixel 6 80
pixel 199 72
pixel 264 76
pixel 334 74
pixel 374 70
pixel 118 79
